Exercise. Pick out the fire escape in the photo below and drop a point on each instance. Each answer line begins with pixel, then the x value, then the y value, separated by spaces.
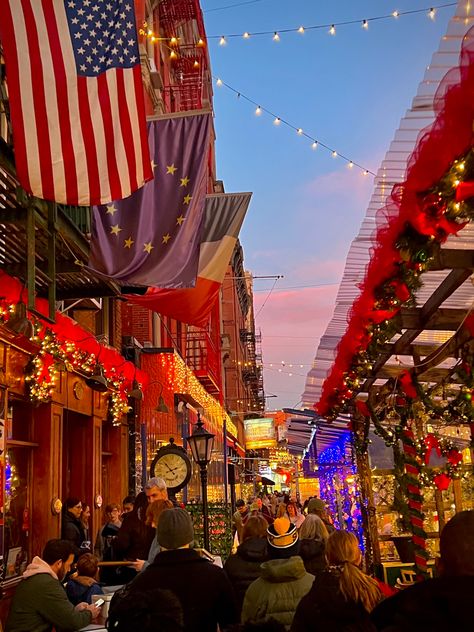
pixel 203 356
pixel 252 372
pixel 182 19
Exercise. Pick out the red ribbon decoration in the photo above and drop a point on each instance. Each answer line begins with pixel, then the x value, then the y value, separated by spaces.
pixel 454 457
pixel 431 442
pixel 441 481
pixel 464 191
pixel 407 385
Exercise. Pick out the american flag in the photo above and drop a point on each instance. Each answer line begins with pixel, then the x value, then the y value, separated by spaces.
pixel 76 98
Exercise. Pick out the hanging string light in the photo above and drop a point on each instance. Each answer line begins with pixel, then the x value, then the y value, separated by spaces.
pixel 331 26
pixel 278 120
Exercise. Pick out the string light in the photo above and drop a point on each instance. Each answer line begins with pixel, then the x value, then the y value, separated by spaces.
pixel 222 41
pixel 350 164
pixel 365 24
pixel 276 37
pixel 430 11
pixel 277 120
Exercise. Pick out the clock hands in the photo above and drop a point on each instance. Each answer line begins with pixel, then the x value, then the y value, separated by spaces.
pixel 171 469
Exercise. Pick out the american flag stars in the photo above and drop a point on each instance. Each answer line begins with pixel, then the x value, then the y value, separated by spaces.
pixel 103 35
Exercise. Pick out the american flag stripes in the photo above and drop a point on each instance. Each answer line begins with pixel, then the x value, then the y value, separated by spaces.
pixel 76 98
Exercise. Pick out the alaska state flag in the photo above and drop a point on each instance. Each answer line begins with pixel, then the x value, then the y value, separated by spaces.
pixel 224 215
pixel 152 238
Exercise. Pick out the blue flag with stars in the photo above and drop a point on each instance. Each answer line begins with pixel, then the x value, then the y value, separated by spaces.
pixel 152 238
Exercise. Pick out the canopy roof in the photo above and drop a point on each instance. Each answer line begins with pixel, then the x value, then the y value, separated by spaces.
pixel 447 286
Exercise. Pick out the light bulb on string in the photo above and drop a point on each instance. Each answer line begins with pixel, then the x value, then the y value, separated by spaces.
pixel 258 110
pixel 277 121
pixel 314 145
pixel 332 30
pixel 276 37
pixel 334 154
pixel 350 164
pixel 432 13
pixel 222 41
pixel 366 173
pixel 200 42
pixel 173 55
pixel 299 131
pixel 301 29
pixel 396 14
pixel 246 35
pixel 219 82
pixel 173 41
pixel 365 24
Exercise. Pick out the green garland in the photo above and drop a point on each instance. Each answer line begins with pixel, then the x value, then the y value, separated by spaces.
pixel 416 251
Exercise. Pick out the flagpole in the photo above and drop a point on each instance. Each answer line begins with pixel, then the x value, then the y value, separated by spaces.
pixel 175 115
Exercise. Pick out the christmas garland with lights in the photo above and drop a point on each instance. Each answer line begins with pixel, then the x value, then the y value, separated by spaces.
pixel 56 354
pixel 443 210
pixel 42 372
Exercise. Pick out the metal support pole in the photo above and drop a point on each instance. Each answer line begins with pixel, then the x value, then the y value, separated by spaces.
pixel 143 439
pixel 205 513
pixel 226 491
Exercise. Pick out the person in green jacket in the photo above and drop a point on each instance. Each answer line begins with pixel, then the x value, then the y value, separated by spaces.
pixel 40 602
pixel 283 581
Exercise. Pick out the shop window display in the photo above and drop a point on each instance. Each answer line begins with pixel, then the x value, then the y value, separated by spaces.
pixel 15 466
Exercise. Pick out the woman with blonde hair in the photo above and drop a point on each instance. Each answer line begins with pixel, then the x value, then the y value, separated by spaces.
pixel 342 596
pixel 313 536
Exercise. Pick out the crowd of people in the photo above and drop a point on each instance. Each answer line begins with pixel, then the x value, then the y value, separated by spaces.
pixel 291 570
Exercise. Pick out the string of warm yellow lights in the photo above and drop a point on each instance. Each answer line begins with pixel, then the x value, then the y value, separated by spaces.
pixel 331 26
pixel 278 120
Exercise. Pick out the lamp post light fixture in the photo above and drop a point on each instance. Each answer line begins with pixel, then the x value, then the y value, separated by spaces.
pixel 201 442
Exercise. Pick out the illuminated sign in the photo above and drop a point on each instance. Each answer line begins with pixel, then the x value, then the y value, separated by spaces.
pixel 259 433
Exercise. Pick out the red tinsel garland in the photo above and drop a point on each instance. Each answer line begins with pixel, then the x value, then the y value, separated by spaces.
pixel 68 330
pixel 437 146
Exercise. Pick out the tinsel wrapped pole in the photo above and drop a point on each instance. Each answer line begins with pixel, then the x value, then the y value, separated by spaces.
pixel 415 501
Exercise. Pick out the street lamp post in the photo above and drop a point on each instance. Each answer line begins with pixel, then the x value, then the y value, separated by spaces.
pixel 201 442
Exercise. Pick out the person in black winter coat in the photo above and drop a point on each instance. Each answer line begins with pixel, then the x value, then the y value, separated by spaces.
pixel 443 603
pixel 202 588
pixel 71 527
pixel 134 538
pixel 341 596
pixel 244 567
pixel 313 536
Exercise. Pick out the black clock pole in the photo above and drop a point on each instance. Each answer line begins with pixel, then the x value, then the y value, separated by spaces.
pixel 205 510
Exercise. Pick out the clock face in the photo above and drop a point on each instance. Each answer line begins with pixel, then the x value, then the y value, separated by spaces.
pixel 173 468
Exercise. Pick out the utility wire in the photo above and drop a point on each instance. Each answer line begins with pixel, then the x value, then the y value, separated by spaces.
pixel 431 11
pixel 231 6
